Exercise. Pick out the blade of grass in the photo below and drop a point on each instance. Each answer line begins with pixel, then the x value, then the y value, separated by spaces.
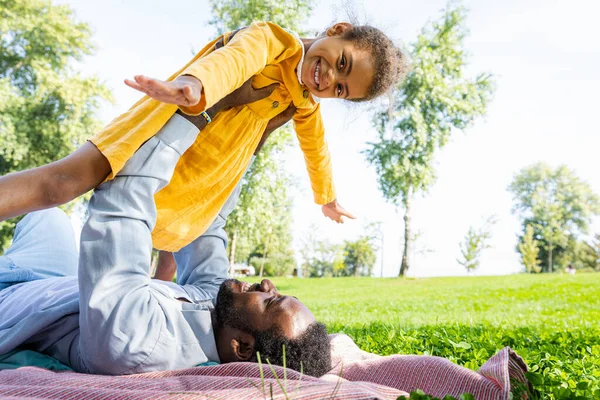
pixel 262 375
pixel 277 379
pixel 284 368
pixel 339 383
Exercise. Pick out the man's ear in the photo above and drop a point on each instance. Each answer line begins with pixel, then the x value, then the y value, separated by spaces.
pixel 243 346
pixel 339 28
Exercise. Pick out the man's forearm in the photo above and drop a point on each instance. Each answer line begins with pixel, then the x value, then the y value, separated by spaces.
pixel 166 267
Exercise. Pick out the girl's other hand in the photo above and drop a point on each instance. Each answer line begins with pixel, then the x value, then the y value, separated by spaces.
pixel 335 212
pixel 183 91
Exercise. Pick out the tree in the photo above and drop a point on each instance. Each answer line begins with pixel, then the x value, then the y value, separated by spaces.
pixel 307 251
pixel 261 223
pixel 327 260
pixel 595 247
pixel 556 203
pixel 529 251
pixel 579 253
pixel 47 108
pixel 474 243
pixel 233 14
pixel 320 258
pixel 435 99
pixel 359 257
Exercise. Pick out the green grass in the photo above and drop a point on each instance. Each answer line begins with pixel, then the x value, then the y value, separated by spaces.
pixel 552 321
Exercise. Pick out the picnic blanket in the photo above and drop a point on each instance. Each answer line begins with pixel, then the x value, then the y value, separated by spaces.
pixel 356 375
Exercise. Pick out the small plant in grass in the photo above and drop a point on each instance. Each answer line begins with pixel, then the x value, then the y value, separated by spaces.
pixel 530 251
pixel 474 243
pixel 284 386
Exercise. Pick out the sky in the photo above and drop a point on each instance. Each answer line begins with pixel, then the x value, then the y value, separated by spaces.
pixel 545 55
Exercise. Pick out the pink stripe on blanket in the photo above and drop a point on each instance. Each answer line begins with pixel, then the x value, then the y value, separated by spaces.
pixel 363 376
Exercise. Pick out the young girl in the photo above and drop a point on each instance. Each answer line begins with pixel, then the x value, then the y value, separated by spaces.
pixel 348 62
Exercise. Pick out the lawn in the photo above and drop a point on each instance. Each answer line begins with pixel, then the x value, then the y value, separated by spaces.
pixel 552 321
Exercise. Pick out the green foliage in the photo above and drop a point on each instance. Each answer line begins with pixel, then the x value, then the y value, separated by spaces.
pixel 529 251
pixel 359 257
pixel 280 262
pixel 435 99
pixel 557 204
pixel 474 243
pixel 321 258
pixel 594 248
pixel 581 254
pixel 46 108
pixel 261 222
pixel 233 14
pixel 549 320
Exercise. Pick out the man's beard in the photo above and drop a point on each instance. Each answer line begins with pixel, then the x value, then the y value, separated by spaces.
pixel 227 314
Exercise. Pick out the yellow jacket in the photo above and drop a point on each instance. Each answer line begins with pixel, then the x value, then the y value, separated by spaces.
pixel 209 171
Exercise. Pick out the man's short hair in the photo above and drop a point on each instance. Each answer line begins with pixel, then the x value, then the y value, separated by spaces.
pixel 309 352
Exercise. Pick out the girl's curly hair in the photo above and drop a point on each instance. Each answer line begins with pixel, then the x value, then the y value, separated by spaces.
pixel 391 64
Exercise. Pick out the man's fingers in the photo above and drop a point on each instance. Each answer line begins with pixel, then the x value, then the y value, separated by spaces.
pixel 267 90
pixel 288 113
pixel 247 83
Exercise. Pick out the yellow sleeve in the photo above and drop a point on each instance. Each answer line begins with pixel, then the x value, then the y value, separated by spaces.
pixel 124 135
pixel 311 135
pixel 227 68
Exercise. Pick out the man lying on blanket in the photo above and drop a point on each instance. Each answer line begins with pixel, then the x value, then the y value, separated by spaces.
pixel 113 318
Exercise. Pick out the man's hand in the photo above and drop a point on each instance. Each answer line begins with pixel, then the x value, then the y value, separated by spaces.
pixel 183 91
pixel 246 94
pixel 335 212
pixel 281 119
pixel 276 122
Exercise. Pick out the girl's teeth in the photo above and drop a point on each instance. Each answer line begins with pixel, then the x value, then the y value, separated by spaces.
pixel 317 69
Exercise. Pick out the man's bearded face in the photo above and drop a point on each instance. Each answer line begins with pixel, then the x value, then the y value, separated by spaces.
pixel 258 307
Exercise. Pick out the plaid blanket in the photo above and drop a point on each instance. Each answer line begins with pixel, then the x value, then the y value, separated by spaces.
pixel 356 375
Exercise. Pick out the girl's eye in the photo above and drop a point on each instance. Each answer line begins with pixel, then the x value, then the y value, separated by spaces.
pixel 339 90
pixel 343 62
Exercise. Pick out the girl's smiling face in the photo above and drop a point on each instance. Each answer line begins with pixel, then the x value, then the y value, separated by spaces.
pixel 335 68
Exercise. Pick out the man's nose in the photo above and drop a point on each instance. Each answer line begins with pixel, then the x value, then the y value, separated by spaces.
pixel 267 286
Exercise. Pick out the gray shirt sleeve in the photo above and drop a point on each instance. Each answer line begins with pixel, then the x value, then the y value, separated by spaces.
pixel 203 265
pixel 127 323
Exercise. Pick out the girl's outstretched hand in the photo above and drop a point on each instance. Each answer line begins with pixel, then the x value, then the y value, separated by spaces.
pixel 183 91
pixel 335 212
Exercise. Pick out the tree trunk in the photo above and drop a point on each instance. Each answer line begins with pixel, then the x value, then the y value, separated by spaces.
pixel 550 256
pixel 407 236
pixel 232 252
pixel 382 249
pixel 264 257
